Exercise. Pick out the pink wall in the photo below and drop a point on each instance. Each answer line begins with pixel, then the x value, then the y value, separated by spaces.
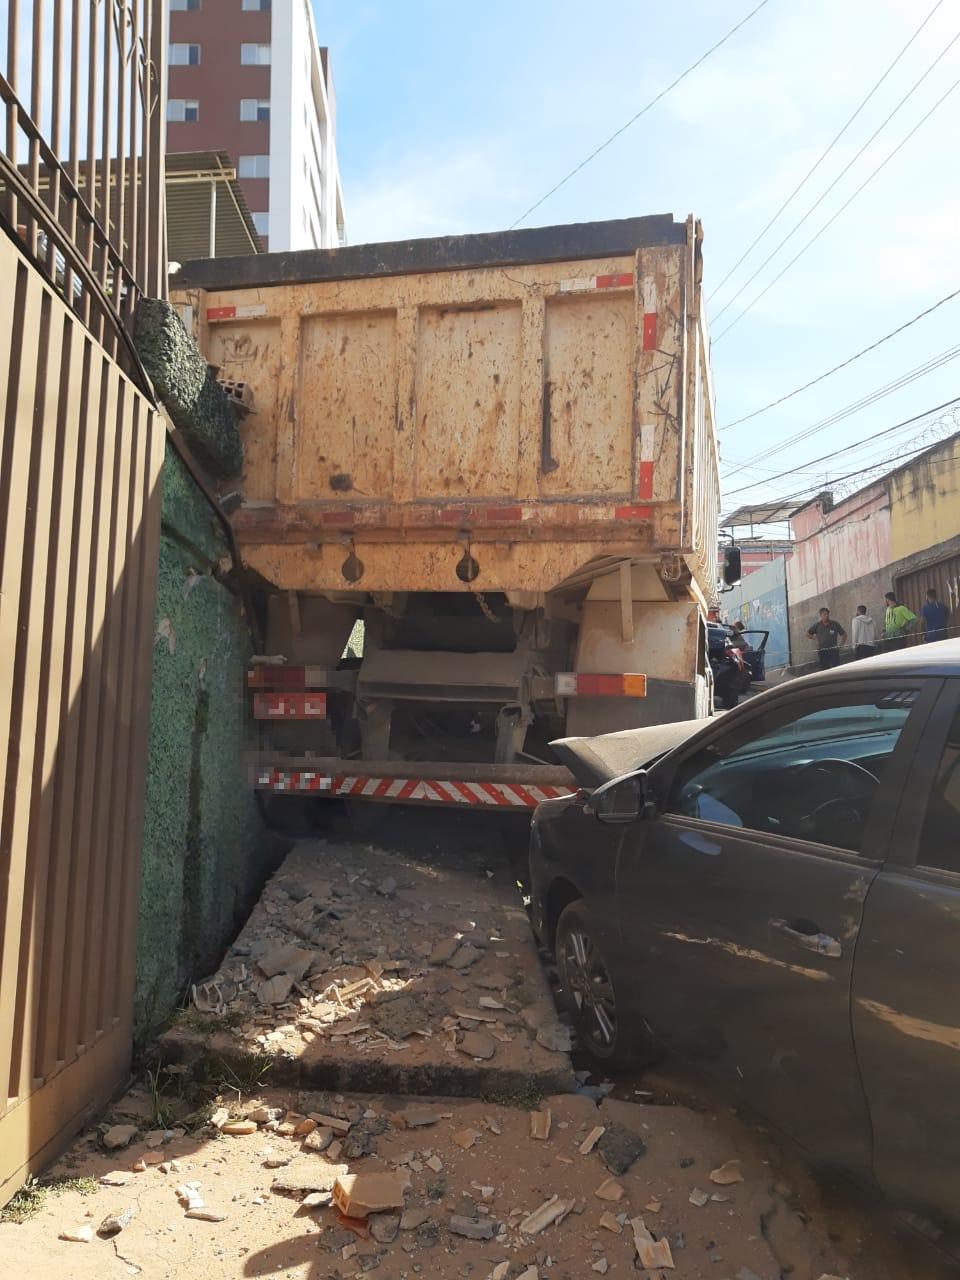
pixel 839 546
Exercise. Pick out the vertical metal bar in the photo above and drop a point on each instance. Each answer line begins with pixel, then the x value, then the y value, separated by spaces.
pixel 123 17
pixel 107 173
pixel 145 230
pixel 13 48
pixel 155 283
pixel 133 194
pixel 91 177
pixel 74 143
pixel 56 89
pixel 63 885
pixel 212 235
pixel 36 105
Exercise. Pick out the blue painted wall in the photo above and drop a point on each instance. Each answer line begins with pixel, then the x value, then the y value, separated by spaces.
pixel 760 602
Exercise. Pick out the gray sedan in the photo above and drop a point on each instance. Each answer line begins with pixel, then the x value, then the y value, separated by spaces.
pixel 775 896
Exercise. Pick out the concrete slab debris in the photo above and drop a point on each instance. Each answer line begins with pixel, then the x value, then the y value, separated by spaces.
pixel 727 1174
pixel 357 1195
pixel 119 1135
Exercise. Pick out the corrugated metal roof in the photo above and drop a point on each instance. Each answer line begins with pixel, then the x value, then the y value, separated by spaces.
pixel 189 178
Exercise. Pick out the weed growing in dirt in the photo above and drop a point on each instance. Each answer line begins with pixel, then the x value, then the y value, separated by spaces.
pixel 162 1112
pixel 524 1097
pixel 34 1193
pixel 244 1074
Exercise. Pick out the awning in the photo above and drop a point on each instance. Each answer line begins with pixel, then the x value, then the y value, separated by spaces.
pixel 207 214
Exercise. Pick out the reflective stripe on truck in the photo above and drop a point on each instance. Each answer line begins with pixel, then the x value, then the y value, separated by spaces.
pixel 409 790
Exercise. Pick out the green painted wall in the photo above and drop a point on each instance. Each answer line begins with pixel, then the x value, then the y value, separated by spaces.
pixel 205 851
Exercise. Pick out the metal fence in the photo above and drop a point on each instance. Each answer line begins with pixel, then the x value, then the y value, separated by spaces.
pixel 81 451
pixel 81 166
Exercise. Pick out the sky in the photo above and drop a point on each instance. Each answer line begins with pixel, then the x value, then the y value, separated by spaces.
pixel 455 118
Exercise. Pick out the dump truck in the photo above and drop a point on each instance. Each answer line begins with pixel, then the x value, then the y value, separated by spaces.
pixel 496 452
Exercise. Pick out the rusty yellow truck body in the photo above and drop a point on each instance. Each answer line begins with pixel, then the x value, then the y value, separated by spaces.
pixel 499 451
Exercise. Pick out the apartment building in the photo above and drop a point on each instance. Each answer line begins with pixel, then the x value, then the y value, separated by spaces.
pixel 248 77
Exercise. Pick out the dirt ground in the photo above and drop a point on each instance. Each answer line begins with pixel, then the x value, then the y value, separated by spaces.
pixel 683 1179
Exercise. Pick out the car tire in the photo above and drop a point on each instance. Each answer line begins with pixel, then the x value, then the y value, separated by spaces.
pixel 590 995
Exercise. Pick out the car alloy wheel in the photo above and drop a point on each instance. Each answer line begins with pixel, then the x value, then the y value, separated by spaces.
pixel 588 986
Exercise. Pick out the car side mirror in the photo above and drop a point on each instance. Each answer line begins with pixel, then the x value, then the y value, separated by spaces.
pixel 732 566
pixel 622 800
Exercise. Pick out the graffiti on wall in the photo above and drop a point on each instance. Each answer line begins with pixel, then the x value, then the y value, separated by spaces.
pixel 760 602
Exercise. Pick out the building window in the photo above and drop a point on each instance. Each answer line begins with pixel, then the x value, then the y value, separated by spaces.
pixel 254 109
pixel 183 110
pixel 255 55
pixel 184 55
pixel 180 6
pixel 262 222
pixel 253 167
pixel 257 4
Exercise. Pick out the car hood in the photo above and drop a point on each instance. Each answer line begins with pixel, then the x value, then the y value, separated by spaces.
pixel 593 761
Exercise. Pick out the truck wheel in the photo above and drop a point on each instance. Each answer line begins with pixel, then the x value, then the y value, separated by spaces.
pixel 590 995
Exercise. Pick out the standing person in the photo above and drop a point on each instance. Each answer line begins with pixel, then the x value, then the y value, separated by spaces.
pixel 935 615
pixel 897 623
pixel 829 635
pixel 863 629
pixel 738 639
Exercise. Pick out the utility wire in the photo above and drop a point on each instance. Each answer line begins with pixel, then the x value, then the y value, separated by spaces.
pixel 837 367
pixel 642 112
pixel 935 362
pixel 810 172
pixel 846 169
pixel 830 221
pixel 836 453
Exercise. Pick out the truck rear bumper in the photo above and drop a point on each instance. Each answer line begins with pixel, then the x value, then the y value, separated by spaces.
pixel 452 786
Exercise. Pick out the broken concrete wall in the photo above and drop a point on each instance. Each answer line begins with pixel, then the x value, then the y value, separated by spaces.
pixel 206 852
pixel 186 385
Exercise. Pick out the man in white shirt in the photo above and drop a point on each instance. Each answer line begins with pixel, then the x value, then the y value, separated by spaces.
pixel 863 632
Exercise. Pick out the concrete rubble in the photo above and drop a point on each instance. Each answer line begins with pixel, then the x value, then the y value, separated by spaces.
pixel 507 1203
pixel 360 970
pixel 491 1167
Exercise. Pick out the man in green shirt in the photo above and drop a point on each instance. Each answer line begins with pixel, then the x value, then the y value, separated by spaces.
pixel 897 623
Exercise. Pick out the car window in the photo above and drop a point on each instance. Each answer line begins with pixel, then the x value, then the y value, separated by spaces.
pixel 940 838
pixel 809 770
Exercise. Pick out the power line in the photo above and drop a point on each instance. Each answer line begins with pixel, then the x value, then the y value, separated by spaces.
pixel 836 453
pixel 846 169
pixel 830 221
pixel 810 172
pixel 843 364
pixel 643 111
pixel 935 362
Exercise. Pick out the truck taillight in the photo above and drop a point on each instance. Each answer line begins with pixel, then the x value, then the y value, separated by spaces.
pixel 572 684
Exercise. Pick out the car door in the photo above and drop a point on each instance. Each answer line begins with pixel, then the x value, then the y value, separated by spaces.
pixel 906 980
pixel 755 656
pixel 741 901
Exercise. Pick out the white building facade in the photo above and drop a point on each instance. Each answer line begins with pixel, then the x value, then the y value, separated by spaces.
pixel 306 199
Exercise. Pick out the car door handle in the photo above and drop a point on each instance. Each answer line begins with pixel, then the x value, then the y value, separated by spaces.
pixel 809 937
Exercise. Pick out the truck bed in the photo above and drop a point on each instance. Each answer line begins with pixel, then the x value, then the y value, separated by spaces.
pixel 500 412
